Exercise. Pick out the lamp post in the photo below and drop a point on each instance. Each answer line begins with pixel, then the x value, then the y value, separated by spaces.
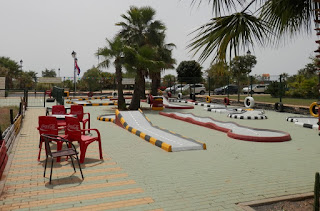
pixel 59 72
pixel 249 54
pixel 21 64
pixel 74 56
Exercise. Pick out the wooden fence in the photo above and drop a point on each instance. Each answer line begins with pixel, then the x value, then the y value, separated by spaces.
pixel 8 139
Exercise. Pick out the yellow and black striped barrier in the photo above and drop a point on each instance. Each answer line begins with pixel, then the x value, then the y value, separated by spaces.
pixel 106 119
pixel 142 135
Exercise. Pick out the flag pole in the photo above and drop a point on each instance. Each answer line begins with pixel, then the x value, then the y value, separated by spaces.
pixel 74 55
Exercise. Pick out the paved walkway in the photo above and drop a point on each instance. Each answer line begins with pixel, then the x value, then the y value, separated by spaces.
pixel 106 184
pixel 136 175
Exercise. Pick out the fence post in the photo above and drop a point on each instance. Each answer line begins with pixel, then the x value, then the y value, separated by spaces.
pixel 316 193
pixel 228 87
pixel 280 95
pixel 251 91
pixel 11 116
pixel 20 108
pixel 44 99
pixel 26 98
pixel 209 83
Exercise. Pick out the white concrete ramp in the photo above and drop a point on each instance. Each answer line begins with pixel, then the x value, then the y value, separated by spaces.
pixel 137 123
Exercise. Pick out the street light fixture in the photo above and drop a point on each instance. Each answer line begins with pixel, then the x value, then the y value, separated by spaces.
pixel 21 64
pixel 74 56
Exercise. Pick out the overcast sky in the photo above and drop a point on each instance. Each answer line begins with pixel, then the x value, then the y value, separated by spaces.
pixel 43 34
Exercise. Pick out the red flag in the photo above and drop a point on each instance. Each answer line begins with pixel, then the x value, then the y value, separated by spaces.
pixel 76 67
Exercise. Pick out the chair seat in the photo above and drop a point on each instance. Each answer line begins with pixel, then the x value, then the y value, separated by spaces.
pixel 66 152
pixel 88 138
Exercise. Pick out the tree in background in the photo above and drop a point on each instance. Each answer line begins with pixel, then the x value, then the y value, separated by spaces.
pixel 91 78
pixel 189 72
pixel 26 80
pixel 49 73
pixel 114 51
pixel 108 80
pixel 219 74
pixel 304 84
pixel 240 67
pixel 168 80
pixel 12 70
pixel 3 71
pixel 248 22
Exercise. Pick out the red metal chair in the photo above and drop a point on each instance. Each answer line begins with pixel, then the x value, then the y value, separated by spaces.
pixel 60 110
pixel 48 125
pixel 75 133
pixel 78 110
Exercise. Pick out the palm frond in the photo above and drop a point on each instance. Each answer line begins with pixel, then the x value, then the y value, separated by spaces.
pixel 220 6
pixel 288 17
pixel 226 35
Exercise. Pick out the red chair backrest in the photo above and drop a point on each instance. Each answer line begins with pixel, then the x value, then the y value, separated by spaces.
pixel 48 125
pixel 77 110
pixel 73 129
pixel 58 109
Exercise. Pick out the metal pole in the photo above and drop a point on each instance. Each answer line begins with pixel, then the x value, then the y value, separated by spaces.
pixel 251 86
pixel 209 79
pixel 280 88
pixel 74 77
pixel 228 87
pixel 11 116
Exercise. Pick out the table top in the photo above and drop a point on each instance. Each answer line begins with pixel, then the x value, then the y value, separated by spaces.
pixel 63 116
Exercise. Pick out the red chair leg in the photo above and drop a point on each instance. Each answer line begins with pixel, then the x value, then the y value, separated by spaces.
pixel 40 147
pixel 83 149
pixel 100 150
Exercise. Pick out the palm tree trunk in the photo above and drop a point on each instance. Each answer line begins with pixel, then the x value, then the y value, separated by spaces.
pixel 238 83
pixel 153 84
pixel 121 100
pixel 138 89
pixel 143 89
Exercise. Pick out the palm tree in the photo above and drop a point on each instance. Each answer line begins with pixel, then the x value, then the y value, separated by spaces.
pixel 164 54
pixel 271 21
pixel 141 61
pixel 114 50
pixel 142 33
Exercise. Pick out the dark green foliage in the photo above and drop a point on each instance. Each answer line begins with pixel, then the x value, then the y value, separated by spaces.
pixel 10 69
pixel 274 89
pixel 244 24
pixel 49 73
pixel 92 79
pixel 189 72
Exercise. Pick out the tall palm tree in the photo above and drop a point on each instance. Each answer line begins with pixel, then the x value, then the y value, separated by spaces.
pixel 114 50
pixel 164 54
pixel 141 61
pixel 264 22
pixel 142 33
